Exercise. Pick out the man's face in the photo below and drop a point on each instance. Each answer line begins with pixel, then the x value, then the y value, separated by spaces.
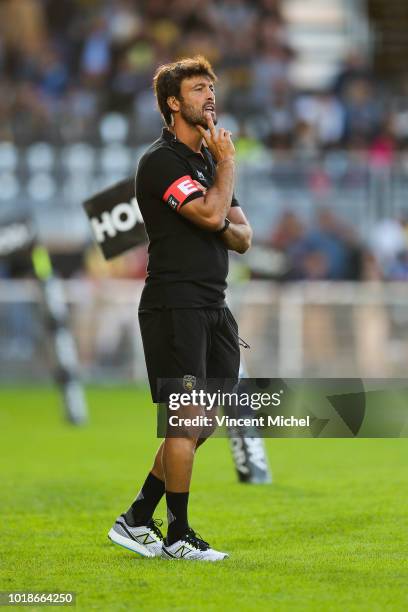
pixel 197 97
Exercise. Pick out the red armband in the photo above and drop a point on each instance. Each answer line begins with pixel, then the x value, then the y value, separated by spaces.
pixel 180 190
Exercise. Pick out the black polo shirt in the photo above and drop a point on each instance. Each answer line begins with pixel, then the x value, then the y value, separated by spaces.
pixel 188 266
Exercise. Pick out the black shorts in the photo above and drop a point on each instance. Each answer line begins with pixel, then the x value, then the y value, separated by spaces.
pixel 184 342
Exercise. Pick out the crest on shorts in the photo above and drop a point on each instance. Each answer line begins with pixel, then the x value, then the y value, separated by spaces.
pixel 189 382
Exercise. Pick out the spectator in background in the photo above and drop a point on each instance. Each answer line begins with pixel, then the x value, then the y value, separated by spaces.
pixel 132 74
pixel 388 241
pixel 288 232
pixel 398 270
pixel 96 55
pixel 355 88
pixel 30 117
pixel 280 118
pixel 382 148
pixel 270 71
pixel 234 16
pixel 324 115
pixel 338 242
pixel 354 69
pixel 363 112
pixel 124 23
pixel 22 27
pixel 80 106
pixel 53 76
pixel 328 251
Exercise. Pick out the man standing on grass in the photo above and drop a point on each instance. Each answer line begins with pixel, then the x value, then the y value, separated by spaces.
pixel 185 193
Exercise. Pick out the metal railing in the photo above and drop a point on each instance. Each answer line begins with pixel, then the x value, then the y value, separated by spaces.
pixel 299 330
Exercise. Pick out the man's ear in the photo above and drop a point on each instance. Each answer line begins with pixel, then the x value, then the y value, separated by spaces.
pixel 173 104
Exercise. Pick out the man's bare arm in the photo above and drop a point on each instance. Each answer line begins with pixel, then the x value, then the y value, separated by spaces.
pixel 209 212
pixel 238 236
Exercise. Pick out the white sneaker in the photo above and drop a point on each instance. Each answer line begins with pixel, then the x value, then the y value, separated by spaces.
pixel 192 548
pixel 146 540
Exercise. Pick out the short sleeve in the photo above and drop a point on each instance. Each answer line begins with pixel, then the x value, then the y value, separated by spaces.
pixel 165 176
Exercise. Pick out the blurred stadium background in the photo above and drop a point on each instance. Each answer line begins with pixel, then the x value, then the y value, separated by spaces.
pixel 316 95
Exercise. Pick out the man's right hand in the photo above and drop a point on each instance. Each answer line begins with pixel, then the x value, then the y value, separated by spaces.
pixel 209 212
pixel 219 142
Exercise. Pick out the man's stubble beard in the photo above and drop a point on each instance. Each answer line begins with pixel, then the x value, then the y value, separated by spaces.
pixel 194 117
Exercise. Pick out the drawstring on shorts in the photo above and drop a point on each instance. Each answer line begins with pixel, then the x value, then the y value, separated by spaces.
pixel 241 342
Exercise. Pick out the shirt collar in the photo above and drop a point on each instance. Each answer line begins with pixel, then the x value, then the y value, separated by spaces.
pixel 183 148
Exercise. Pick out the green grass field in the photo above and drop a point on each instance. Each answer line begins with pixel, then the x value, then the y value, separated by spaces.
pixel 329 534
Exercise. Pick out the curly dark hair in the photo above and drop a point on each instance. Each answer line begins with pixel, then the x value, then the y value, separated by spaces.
pixel 167 80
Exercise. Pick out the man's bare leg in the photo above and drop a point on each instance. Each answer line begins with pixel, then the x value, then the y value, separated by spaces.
pixel 157 469
pixel 178 459
pixel 171 471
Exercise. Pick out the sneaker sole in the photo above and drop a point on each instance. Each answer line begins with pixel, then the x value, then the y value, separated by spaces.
pixel 129 544
pixel 170 557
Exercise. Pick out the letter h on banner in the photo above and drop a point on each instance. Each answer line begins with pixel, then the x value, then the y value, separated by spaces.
pixel 115 218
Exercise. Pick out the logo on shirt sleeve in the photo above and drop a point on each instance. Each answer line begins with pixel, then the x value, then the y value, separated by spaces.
pixel 179 191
